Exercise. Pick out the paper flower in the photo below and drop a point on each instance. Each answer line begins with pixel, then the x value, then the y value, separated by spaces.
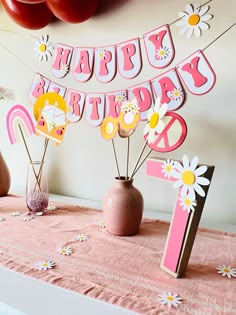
pixel 187 203
pixel 189 177
pixel 170 299
pixel 16 213
pixel 109 127
pixel 102 225
pixel 52 207
pixel 101 53
pixel 43 48
pixel 167 168
pixel 64 69
pixel 155 122
pixel 28 217
pixel 44 265
pixel 82 237
pixel 226 271
pixel 65 251
pixel 193 20
pixel 2 219
pixel 162 53
pixel 129 116
pixel 176 94
pixel 120 97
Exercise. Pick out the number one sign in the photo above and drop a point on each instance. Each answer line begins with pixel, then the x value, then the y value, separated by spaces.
pixel 192 181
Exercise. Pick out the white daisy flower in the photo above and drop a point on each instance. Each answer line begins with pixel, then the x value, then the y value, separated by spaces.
pixel 226 271
pixel 176 94
pixel 52 207
pixel 64 69
pixel 130 106
pixel 44 265
pixel 162 53
pixel 43 48
pixel 189 177
pixel 102 225
pixel 2 219
pixel 193 20
pixel 82 237
pixel 187 203
pixel 155 122
pixel 120 97
pixel 65 251
pixel 16 213
pixel 170 299
pixel 101 53
pixel 28 217
pixel 167 168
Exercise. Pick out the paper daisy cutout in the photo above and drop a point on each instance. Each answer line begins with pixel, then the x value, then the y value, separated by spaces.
pixel 82 237
pixel 129 106
pixel 28 217
pixel 109 127
pixel 2 219
pixel 193 20
pixel 162 53
pixel 187 203
pixel 129 117
pixel 101 53
pixel 65 251
pixel 170 299
pixel 189 177
pixel 43 48
pixel 52 207
pixel 167 168
pixel 44 265
pixel 176 94
pixel 155 122
pixel 16 213
pixel 64 69
pixel 120 97
pixel 226 271
pixel 102 225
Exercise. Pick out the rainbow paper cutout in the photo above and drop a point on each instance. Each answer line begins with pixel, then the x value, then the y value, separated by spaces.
pixel 19 115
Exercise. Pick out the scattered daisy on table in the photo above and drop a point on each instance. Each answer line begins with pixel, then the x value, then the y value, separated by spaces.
pixel 227 271
pixel 170 299
pixel 45 265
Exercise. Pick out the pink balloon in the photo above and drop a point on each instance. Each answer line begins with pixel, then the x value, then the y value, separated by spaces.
pixel 73 11
pixel 31 16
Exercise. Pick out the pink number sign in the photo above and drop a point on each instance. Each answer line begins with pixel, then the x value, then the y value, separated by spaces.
pixel 191 198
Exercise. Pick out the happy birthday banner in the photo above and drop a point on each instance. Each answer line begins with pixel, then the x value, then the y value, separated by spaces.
pixel 194 71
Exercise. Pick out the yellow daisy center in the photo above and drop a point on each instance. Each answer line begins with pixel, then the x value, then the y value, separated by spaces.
pixel 109 128
pixel 162 52
pixel 42 47
pixel 187 202
pixel 226 270
pixel 45 264
pixel 176 93
pixel 168 168
pixel 193 19
pixel 188 177
pixel 63 251
pixel 170 298
pixel 154 120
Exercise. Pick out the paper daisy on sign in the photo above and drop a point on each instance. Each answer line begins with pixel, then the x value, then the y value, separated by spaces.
pixel 176 94
pixel 64 69
pixel 189 177
pixel 65 251
pixel 155 123
pixel 82 237
pixel 120 97
pixel 193 20
pixel 101 53
pixel 167 168
pixel 45 265
pixel 170 299
pixel 16 213
pixel 2 219
pixel 227 271
pixel 102 225
pixel 162 53
pixel 187 203
pixel 43 49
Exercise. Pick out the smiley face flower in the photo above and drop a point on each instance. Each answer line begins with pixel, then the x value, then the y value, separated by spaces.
pixel 189 177
pixel 193 20
pixel 155 123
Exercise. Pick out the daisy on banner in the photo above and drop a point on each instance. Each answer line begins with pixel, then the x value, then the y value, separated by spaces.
pixel 43 49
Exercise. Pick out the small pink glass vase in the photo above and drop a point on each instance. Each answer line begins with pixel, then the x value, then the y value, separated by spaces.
pixel 37 188
pixel 123 208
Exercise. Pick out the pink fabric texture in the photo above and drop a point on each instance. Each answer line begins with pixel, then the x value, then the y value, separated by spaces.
pixel 119 270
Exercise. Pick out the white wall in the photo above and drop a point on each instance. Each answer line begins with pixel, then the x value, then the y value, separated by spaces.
pixel 83 165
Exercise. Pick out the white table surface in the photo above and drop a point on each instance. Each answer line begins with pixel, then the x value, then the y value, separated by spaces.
pixel 35 297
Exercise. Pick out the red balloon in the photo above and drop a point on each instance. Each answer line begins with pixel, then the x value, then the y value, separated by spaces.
pixel 31 16
pixel 31 1
pixel 73 11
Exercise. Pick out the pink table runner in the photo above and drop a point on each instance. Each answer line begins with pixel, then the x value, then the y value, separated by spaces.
pixel 119 270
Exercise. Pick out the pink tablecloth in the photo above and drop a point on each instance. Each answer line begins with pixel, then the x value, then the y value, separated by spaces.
pixel 119 270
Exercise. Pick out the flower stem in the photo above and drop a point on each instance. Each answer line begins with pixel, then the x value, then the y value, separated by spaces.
pixel 140 155
pixel 127 161
pixel 114 150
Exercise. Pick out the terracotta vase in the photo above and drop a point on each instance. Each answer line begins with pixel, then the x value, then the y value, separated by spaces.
pixel 123 208
pixel 5 178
